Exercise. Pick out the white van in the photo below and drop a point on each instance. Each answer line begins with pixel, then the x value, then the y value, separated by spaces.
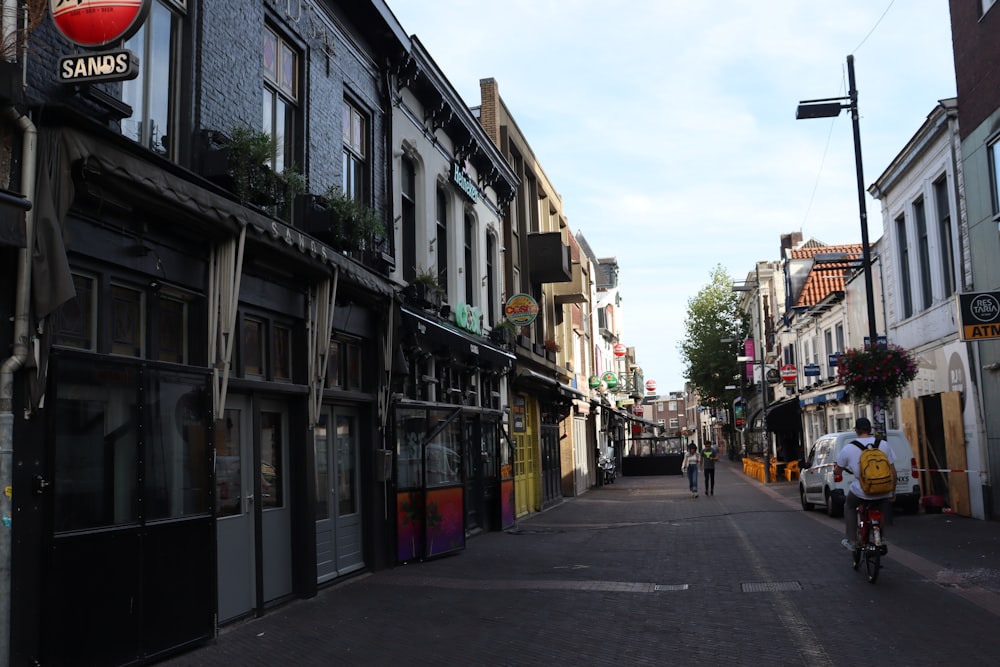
pixel 816 485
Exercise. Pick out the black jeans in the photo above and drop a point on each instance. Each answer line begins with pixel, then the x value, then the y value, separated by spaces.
pixel 709 480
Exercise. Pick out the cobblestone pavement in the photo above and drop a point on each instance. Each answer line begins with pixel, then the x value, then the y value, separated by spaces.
pixel 641 573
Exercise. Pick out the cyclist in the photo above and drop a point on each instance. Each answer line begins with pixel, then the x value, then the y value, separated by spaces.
pixel 849 459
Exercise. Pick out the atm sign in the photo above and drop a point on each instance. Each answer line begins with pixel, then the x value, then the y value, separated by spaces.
pixel 980 315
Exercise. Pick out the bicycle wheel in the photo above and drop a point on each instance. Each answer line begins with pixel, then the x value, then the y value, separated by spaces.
pixel 873 560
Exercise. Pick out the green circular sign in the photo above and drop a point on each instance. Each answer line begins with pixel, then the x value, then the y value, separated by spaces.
pixel 610 379
pixel 594 381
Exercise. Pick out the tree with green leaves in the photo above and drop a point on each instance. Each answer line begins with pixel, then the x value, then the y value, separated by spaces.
pixel 714 330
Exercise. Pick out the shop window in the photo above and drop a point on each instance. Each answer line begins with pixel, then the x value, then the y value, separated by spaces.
pixel 127 313
pixel 153 94
pixel 96 452
pixel 333 366
pixel 177 451
pixel 171 330
pixel 344 366
pixel 253 348
pixel 281 352
pixel 76 321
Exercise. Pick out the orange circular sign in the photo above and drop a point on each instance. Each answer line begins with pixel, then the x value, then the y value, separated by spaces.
pixel 521 310
pixel 97 23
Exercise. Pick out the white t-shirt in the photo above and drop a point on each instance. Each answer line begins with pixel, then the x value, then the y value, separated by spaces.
pixel 850 458
pixel 690 459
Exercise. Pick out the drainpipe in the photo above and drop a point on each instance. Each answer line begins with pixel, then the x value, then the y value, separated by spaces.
pixel 22 350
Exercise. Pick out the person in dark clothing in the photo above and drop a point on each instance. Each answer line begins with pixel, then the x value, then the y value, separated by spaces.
pixel 711 454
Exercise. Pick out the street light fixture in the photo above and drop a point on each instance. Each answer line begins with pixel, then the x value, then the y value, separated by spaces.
pixel 829 108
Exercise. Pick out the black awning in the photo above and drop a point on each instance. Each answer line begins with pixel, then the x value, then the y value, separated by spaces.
pixel 538 381
pixel 784 417
pixel 460 344
pixel 142 178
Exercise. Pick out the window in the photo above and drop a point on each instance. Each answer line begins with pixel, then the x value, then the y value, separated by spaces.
pixel 153 94
pixel 441 244
pixel 828 342
pixel 170 342
pixel 355 176
pixel 906 290
pixel 127 324
pixel 470 267
pixel 253 348
pixel 408 218
pixel 984 6
pixel 994 157
pixel 944 234
pixel 281 352
pixel 924 253
pixel 281 92
pixel 344 365
pixel 839 334
pixel 492 316
pixel 76 320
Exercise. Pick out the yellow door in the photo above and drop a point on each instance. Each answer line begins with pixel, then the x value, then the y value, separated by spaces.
pixel 526 461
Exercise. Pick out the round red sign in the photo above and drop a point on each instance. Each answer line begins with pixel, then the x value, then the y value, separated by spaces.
pixel 788 373
pixel 97 23
pixel 620 350
pixel 650 386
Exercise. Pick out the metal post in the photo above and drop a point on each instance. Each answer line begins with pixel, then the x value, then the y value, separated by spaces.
pixel 763 377
pixel 878 413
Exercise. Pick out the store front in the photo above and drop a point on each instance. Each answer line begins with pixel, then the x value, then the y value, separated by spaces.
pixel 191 521
pixel 453 459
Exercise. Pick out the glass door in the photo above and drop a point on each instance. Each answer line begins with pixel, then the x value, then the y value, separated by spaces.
pixel 338 503
pixel 234 507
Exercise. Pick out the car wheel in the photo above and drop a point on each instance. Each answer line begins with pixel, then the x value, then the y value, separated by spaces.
pixel 833 508
pixel 806 505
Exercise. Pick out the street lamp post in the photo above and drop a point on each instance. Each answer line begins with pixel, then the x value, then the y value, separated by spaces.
pixel 828 108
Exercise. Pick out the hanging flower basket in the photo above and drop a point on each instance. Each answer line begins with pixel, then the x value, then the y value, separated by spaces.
pixel 882 370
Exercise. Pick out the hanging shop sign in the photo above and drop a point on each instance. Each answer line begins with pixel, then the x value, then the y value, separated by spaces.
pixel 469 318
pixel 460 177
pixel 611 380
pixel 620 350
pixel 789 373
pixel 811 370
pixel 93 24
pixel 521 310
pixel 594 382
pixel 119 65
pixel 650 386
pixel 980 315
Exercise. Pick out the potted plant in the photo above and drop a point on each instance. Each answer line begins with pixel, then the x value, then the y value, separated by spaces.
pixel 504 333
pixel 881 370
pixel 240 161
pixel 551 345
pixel 425 290
pixel 351 224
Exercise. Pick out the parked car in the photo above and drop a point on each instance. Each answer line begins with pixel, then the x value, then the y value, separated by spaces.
pixel 818 488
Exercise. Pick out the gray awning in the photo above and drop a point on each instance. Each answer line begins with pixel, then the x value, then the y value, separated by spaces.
pixel 460 343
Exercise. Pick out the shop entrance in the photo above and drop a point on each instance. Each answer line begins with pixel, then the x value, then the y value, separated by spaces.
pixel 253 516
pixel 338 503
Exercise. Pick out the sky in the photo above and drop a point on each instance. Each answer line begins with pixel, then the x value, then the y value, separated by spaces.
pixel 668 126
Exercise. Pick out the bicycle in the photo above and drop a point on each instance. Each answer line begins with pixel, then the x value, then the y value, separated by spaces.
pixel 869 547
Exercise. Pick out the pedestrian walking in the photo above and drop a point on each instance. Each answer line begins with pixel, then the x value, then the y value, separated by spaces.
pixel 690 468
pixel 711 456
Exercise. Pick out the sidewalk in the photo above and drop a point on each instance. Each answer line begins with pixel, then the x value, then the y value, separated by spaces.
pixel 640 573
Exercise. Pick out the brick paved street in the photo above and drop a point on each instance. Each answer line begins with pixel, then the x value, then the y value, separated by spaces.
pixel 640 573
